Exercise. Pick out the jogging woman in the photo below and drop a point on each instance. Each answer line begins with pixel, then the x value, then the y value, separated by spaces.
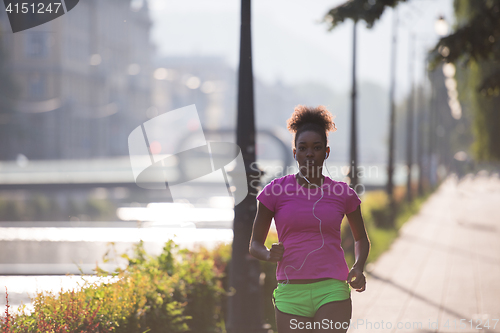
pixel 314 282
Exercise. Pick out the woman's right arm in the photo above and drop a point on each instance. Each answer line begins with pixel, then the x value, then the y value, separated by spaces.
pixel 261 226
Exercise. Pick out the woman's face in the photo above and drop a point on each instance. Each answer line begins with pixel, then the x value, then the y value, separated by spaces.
pixel 310 153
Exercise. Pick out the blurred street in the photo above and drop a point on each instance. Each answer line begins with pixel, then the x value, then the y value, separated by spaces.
pixel 442 273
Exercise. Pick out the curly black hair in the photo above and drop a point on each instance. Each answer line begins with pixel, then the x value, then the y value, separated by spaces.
pixel 306 118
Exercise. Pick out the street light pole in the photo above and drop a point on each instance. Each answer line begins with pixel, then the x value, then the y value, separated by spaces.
pixel 424 117
pixel 348 241
pixel 392 116
pixel 244 306
pixel 441 28
pixel 409 123
pixel 432 136
pixel 354 145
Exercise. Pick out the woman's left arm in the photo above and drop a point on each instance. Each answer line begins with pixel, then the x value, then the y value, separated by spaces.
pixel 361 249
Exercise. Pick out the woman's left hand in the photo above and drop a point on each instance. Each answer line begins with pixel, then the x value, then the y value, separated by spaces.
pixel 356 279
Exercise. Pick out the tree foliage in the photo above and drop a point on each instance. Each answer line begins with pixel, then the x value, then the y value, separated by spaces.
pixel 477 36
pixel 480 71
pixel 366 10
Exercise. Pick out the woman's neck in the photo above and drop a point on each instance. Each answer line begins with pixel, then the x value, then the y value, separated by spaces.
pixel 318 181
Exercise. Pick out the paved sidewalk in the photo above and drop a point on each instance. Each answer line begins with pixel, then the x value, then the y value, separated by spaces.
pixel 443 273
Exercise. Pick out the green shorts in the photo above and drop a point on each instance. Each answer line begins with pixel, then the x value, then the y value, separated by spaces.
pixel 305 299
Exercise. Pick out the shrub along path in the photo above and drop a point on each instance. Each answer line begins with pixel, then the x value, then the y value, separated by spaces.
pixel 442 273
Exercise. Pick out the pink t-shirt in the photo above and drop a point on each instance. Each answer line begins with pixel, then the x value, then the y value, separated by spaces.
pixel 299 231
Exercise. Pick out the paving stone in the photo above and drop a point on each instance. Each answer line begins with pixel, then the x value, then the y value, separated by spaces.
pixel 442 273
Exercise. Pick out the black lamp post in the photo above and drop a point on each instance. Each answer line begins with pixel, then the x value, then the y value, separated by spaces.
pixel 354 145
pixel 409 123
pixel 392 120
pixel 244 305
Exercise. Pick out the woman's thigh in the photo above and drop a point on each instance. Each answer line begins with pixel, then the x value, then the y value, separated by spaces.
pixel 334 316
pixel 287 323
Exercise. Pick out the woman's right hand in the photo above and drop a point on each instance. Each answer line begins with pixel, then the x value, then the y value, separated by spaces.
pixel 275 254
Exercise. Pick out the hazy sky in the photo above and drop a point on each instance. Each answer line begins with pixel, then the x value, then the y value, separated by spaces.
pixel 290 45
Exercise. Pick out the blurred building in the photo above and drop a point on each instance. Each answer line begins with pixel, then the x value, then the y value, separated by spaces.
pixel 207 82
pixel 211 84
pixel 84 81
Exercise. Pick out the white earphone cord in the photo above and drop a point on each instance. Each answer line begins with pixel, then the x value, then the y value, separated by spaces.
pixel 314 206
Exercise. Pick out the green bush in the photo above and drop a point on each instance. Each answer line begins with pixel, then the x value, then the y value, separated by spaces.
pixel 177 291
